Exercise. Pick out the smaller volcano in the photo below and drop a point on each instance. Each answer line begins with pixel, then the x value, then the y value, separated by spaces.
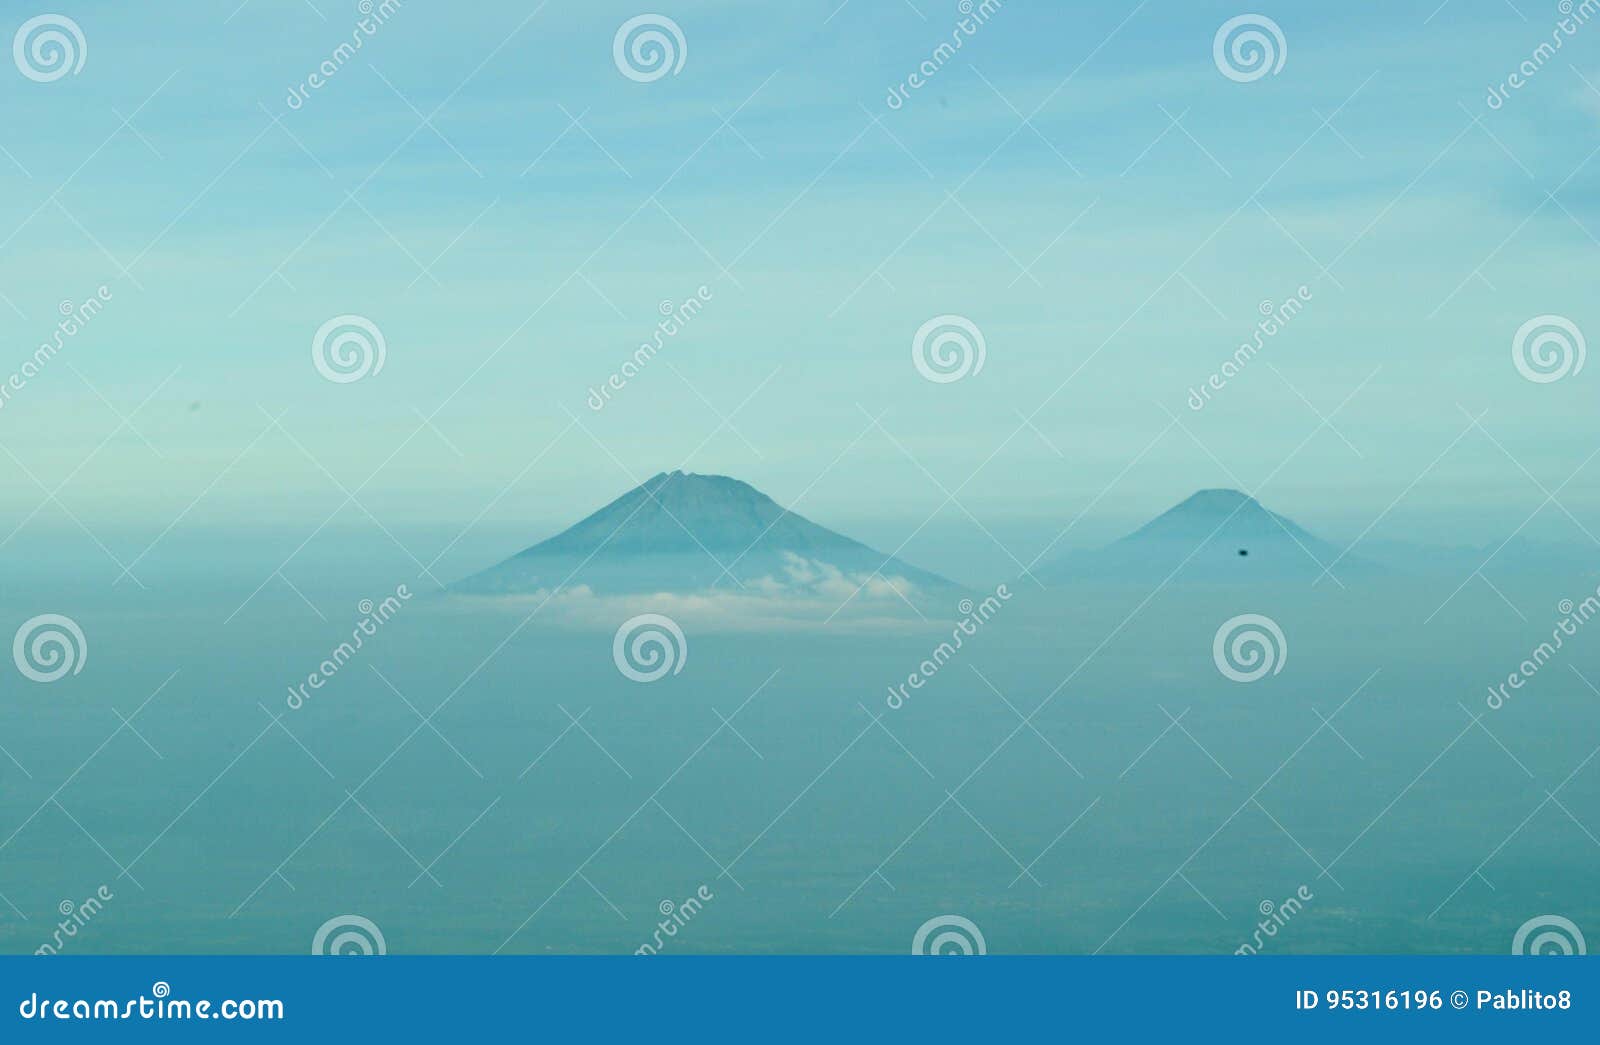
pixel 1214 535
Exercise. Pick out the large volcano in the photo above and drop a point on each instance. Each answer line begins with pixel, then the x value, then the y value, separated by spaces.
pixel 679 532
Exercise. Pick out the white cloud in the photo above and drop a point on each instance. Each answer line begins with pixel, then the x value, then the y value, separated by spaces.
pixel 808 594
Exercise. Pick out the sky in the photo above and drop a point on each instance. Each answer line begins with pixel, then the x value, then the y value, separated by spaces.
pixel 1081 182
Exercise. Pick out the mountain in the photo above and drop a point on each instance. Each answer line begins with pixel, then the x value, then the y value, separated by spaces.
pixel 677 531
pixel 1214 535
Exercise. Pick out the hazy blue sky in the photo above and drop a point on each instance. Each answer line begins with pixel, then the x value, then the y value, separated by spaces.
pixel 825 240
